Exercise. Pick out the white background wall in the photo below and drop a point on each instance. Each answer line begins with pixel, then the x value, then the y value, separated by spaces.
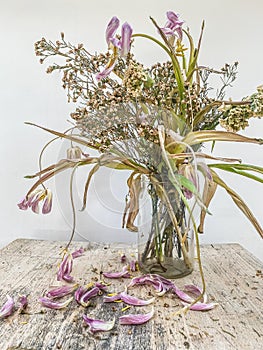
pixel 233 32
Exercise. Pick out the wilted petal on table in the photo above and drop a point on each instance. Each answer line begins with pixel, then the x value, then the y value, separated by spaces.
pixel 8 308
pixel 128 299
pixel 132 265
pixel 54 304
pixel 201 306
pixel 123 258
pixel 160 284
pixel 124 273
pixel 79 252
pixel 101 285
pixel 65 268
pixel 85 297
pixel 195 290
pixel 23 301
pixel 96 325
pixel 136 319
pixel 60 292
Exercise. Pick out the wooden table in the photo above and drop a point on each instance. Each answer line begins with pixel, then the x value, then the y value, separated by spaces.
pixel 234 280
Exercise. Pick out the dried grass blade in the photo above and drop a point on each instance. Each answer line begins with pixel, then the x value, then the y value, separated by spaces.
pixel 239 202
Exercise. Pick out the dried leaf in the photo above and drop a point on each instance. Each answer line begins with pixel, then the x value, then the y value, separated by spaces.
pixel 239 202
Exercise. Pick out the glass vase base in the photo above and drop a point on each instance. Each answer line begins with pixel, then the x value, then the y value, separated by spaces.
pixel 169 268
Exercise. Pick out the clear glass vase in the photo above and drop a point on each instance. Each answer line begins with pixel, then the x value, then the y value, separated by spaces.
pixel 165 233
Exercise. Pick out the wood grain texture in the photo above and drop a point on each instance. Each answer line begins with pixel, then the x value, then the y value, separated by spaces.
pixel 233 276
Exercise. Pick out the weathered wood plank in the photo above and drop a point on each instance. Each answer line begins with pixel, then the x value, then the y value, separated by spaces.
pixel 234 280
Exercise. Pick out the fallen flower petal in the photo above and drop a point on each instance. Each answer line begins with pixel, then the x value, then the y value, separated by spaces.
pixel 84 294
pixel 123 258
pixel 128 299
pixel 200 306
pixel 132 265
pixel 60 292
pixel 136 319
pixel 65 268
pixel 79 252
pixel 54 304
pixel 101 285
pixel 7 308
pixel 124 273
pixel 23 301
pixel 98 325
pixel 195 290
pixel 85 297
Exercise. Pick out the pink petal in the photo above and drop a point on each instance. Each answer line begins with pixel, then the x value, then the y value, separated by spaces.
pixel 112 28
pixel 61 291
pixel 53 304
pixel 47 206
pixel 106 71
pixel 23 301
pixel 8 308
pixel 96 325
pixel 78 253
pixel 201 306
pixel 133 265
pixel 124 274
pixel 128 299
pixel 23 204
pixel 65 268
pixel 136 319
pixel 126 35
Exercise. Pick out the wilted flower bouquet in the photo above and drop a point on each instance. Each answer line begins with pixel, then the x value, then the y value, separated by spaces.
pixel 153 121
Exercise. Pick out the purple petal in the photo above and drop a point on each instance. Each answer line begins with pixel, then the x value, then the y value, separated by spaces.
pixel 105 72
pixel 112 28
pixel 195 290
pixel 35 206
pixel 136 319
pixel 123 258
pixel 23 204
pixel 54 304
pixel 174 24
pixel 61 291
pixel 85 297
pixel 83 294
pixel 65 268
pixel 98 325
pixel 126 34
pixel 116 42
pixel 133 265
pixel 128 299
pixel 101 285
pixel 8 308
pixel 47 203
pixel 160 284
pixel 124 273
pixel 78 253
pixel 201 306
pixel 79 292
pixel 23 301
